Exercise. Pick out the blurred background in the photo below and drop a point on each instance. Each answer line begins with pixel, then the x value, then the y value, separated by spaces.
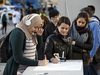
pixel 69 8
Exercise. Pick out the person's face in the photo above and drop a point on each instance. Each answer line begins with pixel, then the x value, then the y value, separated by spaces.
pixel 55 19
pixel 63 29
pixel 81 22
pixel 31 8
pixel 34 29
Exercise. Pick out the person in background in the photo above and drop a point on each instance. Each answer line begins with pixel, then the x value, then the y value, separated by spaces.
pixel 55 8
pixel 54 16
pixel 31 10
pixel 59 42
pixel 95 51
pixel 43 13
pixel 45 22
pixel 82 40
pixel 94 17
pixel 4 21
pixel 16 16
pixel 22 46
pixel 41 39
pixel 50 8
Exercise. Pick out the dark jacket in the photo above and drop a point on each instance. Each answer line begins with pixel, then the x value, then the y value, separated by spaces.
pixel 55 44
pixel 78 49
pixel 17 41
pixel 32 11
pixel 49 29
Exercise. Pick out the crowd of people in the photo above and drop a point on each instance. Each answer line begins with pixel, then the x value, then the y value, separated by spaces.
pixel 38 34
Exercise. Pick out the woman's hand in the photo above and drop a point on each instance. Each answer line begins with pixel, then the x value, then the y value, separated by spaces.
pixel 55 60
pixel 43 62
pixel 40 31
pixel 90 60
pixel 84 50
pixel 73 42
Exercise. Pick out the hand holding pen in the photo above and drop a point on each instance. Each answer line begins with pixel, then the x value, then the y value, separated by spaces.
pixel 43 62
pixel 56 59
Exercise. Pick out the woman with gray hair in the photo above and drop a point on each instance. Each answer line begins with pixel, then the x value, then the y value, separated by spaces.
pixel 22 45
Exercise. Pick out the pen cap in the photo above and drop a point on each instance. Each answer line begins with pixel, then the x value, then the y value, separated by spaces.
pixel 45 55
pixel 56 54
pixel 63 54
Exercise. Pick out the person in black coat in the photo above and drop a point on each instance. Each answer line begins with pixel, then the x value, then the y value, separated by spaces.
pixel 54 16
pixel 82 40
pixel 59 42
pixel 31 10
pixel 41 39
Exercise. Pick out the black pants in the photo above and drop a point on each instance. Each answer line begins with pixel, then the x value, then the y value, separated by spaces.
pixel 4 27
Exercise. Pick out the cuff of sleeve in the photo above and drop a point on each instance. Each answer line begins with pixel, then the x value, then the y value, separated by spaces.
pixel 91 56
pixel 36 62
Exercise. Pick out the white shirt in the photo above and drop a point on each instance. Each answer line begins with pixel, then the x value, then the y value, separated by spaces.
pixel 16 17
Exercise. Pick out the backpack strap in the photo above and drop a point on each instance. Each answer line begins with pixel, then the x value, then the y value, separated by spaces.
pixel 96 17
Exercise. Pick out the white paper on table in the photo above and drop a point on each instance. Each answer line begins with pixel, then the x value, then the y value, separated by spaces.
pixel 60 66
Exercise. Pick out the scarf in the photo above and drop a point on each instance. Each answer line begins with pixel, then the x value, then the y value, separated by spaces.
pixel 34 22
pixel 76 31
pixel 65 38
pixel 82 30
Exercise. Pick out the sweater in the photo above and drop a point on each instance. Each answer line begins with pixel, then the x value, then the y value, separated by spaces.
pixel 16 47
pixel 95 29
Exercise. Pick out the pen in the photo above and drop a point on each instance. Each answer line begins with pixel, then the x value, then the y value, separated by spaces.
pixel 56 57
pixel 45 56
pixel 63 54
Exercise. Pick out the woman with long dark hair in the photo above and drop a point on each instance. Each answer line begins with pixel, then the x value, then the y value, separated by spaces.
pixel 82 40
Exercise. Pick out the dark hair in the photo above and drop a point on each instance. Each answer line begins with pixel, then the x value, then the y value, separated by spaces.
pixel 87 10
pixel 43 9
pixel 82 15
pixel 46 21
pixel 53 13
pixel 91 7
pixel 63 20
pixel 31 7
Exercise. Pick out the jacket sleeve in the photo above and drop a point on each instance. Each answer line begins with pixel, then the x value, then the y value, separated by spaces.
pixel 17 42
pixel 96 39
pixel 87 46
pixel 77 49
pixel 49 48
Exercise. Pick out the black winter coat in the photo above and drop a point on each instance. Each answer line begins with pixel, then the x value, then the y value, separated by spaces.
pixel 78 50
pixel 49 29
pixel 55 44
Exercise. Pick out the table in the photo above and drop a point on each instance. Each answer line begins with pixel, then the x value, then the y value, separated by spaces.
pixel 70 67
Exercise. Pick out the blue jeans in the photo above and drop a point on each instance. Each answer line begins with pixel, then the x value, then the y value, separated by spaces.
pixel 93 68
pixel 86 70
